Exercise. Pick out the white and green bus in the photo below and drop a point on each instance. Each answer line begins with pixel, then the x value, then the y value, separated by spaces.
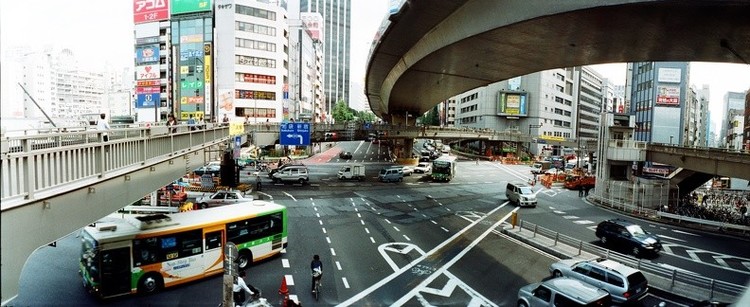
pixel 143 254
pixel 444 168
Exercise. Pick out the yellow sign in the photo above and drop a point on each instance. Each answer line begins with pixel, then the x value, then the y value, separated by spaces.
pixel 552 138
pixel 184 70
pixel 186 115
pixel 236 128
pixel 207 68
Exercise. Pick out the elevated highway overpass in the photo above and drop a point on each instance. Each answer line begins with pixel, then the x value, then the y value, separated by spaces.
pixel 432 50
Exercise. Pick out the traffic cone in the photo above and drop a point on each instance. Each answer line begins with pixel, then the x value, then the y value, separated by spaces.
pixel 284 291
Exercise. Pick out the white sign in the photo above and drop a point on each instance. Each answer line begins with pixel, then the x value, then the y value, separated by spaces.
pixel 145 72
pixel 670 75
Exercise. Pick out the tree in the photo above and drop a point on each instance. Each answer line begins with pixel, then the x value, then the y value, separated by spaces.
pixel 342 112
pixel 431 118
pixel 366 116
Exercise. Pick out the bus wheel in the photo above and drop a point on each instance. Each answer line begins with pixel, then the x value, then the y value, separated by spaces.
pixel 150 283
pixel 244 259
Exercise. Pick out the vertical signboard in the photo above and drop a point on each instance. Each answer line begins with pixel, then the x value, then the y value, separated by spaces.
pixel 145 72
pixel 150 10
pixel 147 97
pixel 146 54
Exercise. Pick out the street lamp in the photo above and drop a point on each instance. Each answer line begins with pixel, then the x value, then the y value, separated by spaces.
pixel 670 139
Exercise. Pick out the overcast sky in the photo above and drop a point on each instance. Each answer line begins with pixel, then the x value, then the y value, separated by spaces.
pixel 101 32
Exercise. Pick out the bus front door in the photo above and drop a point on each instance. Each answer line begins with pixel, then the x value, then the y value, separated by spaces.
pixel 115 271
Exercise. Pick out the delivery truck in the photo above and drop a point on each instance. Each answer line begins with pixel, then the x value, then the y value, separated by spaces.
pixel 352 171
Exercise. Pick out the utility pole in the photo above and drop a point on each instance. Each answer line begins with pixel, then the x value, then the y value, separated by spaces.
pixel 37 105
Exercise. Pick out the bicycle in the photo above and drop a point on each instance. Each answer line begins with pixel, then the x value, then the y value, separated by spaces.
pixel 316 289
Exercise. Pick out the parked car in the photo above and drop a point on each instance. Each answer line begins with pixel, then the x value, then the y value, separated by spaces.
pixel 629 236
pixel 562 292
pixel 407 170
pixel 345 155
pixel 625 284
pixel 423 167
pixel 212 168
pixel 223 197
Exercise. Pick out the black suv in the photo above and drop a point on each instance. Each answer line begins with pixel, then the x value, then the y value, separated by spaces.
pixel 629 236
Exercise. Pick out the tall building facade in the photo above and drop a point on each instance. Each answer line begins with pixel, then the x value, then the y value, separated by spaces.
pixel 540 104
pixel 55 82
pixel 733 120
pixel 746 129
pixel 589 99
pixel 252 60
pixel 306 65
pixel 336 34
pixel 660 100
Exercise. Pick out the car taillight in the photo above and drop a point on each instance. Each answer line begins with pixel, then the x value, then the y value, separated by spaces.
pixel 626 295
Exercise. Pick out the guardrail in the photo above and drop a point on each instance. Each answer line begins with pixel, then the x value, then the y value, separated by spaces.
pixel 675 280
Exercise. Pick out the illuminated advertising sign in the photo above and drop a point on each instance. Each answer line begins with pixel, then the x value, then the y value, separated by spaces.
pixel 147 100
pixel 147 40
pixel 668 95
pixel 144 72
pixel 670 75
pixel 147 54
pixel 150 10
pixel 512 104
pixel 189 54
pixel 190 6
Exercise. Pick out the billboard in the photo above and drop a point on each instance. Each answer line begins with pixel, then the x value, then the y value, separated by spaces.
pixel 314 24
pixel 512 103
pixel 190 6
pixel 144 72
pixel 146 54
pixel 150 10
pixel 670 75
pixel 668 95
pixel 147 100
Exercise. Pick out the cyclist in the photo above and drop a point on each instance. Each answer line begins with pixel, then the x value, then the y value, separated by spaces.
pixel 239 289
pixel 317 271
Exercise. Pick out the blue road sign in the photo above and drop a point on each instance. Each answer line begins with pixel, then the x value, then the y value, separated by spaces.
pixel 294 134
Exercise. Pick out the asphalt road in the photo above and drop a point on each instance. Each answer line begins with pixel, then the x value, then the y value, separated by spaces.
pixel 414 243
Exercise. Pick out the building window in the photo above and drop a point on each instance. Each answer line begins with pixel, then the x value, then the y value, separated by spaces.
pixel 254 28
pixel 255 78
pixel 254 61
pixel 255 12
pixel 253 44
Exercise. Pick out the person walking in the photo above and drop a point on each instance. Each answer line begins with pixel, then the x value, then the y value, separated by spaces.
pixel 103 126
pixel 580 191
pixel 171 122
pixel 258 184
pixel 191 122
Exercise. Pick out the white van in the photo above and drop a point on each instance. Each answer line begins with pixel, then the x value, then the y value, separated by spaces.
pixel 295 173
pixel 521 194
pixel 391 174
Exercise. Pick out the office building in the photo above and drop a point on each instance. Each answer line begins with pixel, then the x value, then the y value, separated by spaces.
pixel 306 65
pixel 335 35
pixel 746 129
pixel 733 120
pixel 251 59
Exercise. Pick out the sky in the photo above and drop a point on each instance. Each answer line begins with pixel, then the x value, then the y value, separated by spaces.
pixel 101 32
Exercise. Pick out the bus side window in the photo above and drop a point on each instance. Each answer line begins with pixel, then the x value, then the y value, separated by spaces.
pixel 213 240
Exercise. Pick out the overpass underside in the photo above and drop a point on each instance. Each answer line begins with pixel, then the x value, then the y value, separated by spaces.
pixel 711 161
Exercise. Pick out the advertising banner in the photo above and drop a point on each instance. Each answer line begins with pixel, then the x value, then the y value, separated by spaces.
pixel 150 10
pixel 144 72
pixel 146 83
pixel 668 95
pixel 147 100
pixel 512 104
pixel 147 90
pixel 190 6
pixel 314 23
pixel 670 75
pixel 147 54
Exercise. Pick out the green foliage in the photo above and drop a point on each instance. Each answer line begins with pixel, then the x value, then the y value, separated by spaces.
pixel 366 116
pixel 431 118
pixel 342 112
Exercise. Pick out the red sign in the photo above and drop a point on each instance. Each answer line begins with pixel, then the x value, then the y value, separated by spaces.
pixel 145 83
pixel 150 10
pixel 147 90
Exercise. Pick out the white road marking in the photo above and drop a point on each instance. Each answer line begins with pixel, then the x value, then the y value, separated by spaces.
pixel 367 230
pixel 433 222
pixel 289 280
pixel 315 208
pixel 559 212
pixel 387 221
pixel 570 217
pixel 362 221
pixel 290 196
pixel 320 222
pixel 407 238
pixel 685 232
pixel 394 227
pixel 373 240
pixel 444 229
pixel 285 263
pixel 346 283
pixel 338 265
pixel 317 214
pixel 583 222
pixel 671 238
pixel 324 229
pixel 333 252
pixel 328 239
pixel 359 215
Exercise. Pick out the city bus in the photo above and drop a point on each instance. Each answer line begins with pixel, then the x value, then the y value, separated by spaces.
pixel 145 253
pixel 444 168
